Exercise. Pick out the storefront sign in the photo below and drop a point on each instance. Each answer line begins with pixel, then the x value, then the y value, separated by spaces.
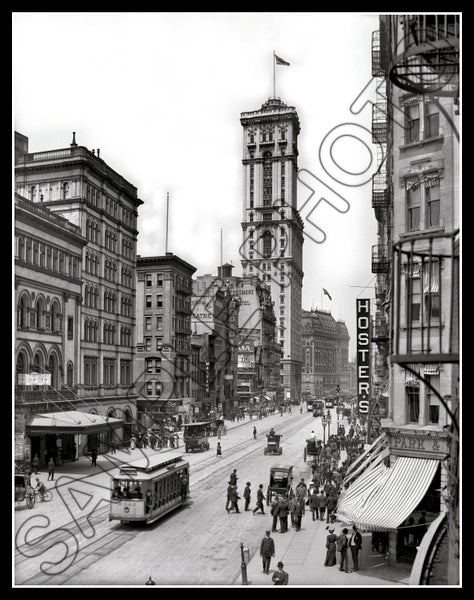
pixel 363 355
pixel 34 379
pixel 427 445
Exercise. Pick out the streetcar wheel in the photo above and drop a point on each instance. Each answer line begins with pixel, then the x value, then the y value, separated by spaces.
pixel 47 496
pixel 30 498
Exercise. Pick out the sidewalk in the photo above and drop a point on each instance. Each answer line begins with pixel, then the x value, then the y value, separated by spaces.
pixel 303 554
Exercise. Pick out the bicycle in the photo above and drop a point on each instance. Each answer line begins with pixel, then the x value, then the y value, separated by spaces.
pixel 45 496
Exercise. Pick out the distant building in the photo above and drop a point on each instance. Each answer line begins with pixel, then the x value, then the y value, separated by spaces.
pixel 164 353
pixel 325 347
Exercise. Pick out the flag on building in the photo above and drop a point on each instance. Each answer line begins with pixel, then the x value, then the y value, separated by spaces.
pixel 327 294
pixel 280 61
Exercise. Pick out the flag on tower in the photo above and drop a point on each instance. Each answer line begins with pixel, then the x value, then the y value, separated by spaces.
pixel 327 294
pixel 280 61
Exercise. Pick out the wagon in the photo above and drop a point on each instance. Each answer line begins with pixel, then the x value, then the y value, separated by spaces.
pixel 273 444
pixel 280 481
pixel 196 436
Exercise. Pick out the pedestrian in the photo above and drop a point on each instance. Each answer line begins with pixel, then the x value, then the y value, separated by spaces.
pixel 230 489
pixel 313 505
pixel 274 512
pixel 254 433
pixel 280 577
pixel 299 512
pixel 93 458
pixel 331 548
pixel 112 448
pixel 150 581
pixel 331 507
pixel 247 494
pixel 322 501
pixel 283 514
pixel 260 499
pixel 233 477
pixel 234 497
pixel 291 507
pixel 35 464
pixel 341 546
pixel 51 469
pixel 301 492
pixel 219 450
pixel 267 551
pixel 355 544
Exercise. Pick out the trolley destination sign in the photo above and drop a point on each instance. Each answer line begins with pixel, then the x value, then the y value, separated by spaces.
pixel 363 355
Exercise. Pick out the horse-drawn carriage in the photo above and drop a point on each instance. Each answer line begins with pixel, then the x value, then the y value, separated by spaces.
pixel 273 444
pixel 312 448
pixel 218 427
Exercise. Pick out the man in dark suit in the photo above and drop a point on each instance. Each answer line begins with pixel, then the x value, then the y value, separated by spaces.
pixel 267 551
pixel 280 577
pixel 341 546
pixel 283 514
pixel 355 544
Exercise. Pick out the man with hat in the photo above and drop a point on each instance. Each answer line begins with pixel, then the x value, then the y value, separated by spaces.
pixel 267 551
pixel 355 544
pixel 247 493
pixel 341 545
pixel 280 577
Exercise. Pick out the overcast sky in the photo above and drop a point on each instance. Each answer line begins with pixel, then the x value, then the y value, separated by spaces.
pixel 161 95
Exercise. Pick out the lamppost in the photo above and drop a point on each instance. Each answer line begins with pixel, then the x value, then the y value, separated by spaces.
pixel 329 423
pixel 323 422
pixel 245 559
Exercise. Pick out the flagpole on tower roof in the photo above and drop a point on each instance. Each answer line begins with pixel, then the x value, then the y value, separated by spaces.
pixel 274 93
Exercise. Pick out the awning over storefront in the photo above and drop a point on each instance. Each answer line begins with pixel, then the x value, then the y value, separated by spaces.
pixel 383 497
pixel 376 452
pixel 70 421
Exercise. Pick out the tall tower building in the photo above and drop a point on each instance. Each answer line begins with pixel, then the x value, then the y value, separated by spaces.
pixel 271 225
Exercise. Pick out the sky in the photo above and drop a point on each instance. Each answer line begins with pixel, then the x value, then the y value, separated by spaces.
pixel 161 95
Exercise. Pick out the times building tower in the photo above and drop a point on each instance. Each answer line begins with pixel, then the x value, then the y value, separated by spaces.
pixel 272 228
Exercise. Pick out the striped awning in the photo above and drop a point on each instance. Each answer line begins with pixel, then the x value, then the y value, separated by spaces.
pixel 431 369
pixel 383 497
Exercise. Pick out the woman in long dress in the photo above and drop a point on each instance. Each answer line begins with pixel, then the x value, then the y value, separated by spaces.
pixel 331 548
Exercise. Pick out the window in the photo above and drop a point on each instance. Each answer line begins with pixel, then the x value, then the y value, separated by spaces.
pixel 153 365
pixel 431 120
pixel 159 301
pixel 431 290
pixel 148 279
pixel 267 179
pixel 412 124
pixel 70 328
pixel 413 196
pixel 267 216
pixel 159 342
pixel 90 371
pixel 159 280
pixel 125 372
pixel 148 344
pixel 431 399
pixel 432 200
pixel 147 301
pixel 267 244
pixel 159 322
pixel 413 403
pixel 148 323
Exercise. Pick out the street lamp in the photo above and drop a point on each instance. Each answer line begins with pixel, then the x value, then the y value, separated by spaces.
pixel 323 422
pixel 329 424
pixel 245 559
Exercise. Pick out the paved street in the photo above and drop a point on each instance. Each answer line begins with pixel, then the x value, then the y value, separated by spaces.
pixel 197 545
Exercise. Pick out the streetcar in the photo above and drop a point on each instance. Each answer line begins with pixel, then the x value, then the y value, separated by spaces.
pixel 148 488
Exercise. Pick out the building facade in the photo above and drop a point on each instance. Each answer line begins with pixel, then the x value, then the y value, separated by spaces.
pixel 163 336
pixel 272 228
pixel 416 200
pixel 96 204
pixel 325 349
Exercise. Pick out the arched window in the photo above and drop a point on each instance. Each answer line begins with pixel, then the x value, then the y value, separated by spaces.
pixel 22 312
pixel 65 190
pixel 21 365
pixel 55 316
pixel 52 369
pixel 69 374
pixel 40 319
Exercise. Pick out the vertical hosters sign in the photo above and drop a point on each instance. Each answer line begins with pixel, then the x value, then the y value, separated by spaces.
pixel 363 355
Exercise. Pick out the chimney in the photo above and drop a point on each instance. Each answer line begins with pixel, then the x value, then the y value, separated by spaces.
pixel 73 143
pixel 98 152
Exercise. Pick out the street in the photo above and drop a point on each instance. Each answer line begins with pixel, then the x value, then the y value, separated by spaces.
pixel 195 545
